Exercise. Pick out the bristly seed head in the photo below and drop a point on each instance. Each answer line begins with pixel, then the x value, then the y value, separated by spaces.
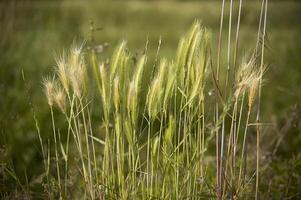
pixel 152 98
pixel 60 99
pixel 63 72
pixel 77 74
pixel 75 53
pixel 131 100
pixel 253 91
pixel 246 75
pixel 116 95
pixel 49 89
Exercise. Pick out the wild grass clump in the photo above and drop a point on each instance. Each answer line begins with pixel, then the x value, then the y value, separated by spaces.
pixel 179 134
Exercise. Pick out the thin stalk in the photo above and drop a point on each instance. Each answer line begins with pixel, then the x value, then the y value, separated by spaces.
pixel 202 137
pixel 68 139
pixel 226 84
pixel 229 46
pixel 147 160
pixel 237 35
pixel 231 143
pixel 158 155
pixel 87 147
pixel 240 117
pixel 56 153
pixel 41 143
pixel 259 26
pixel 222 156
pixel 220 41
pixel 243 147
pixel 93 148
pixel 218 178
pixel 259 101
pixel 235 134
pixel 77 134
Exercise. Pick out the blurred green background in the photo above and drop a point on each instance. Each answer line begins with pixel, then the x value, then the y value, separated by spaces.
pixel 31 32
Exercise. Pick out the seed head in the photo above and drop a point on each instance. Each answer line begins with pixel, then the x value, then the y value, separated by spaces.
pixel 104 88
pixel 152 98
pixel 138 73
pixel 132 97
pixel 246 75
pixel 60 99
pixel 77 77
pixel 252 91
pixel 169 85
pixel 62 72
pixel 49 89
pixel 75 53
pixel 118 56
pixel 116 95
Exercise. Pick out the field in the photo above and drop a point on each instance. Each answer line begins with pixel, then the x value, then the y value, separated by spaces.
pixel 32 34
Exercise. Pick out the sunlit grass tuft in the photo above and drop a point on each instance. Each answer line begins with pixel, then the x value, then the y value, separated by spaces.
pixel 158 131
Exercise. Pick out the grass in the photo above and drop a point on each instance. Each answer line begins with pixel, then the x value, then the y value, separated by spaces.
pixel 156 133
pixel 151 110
